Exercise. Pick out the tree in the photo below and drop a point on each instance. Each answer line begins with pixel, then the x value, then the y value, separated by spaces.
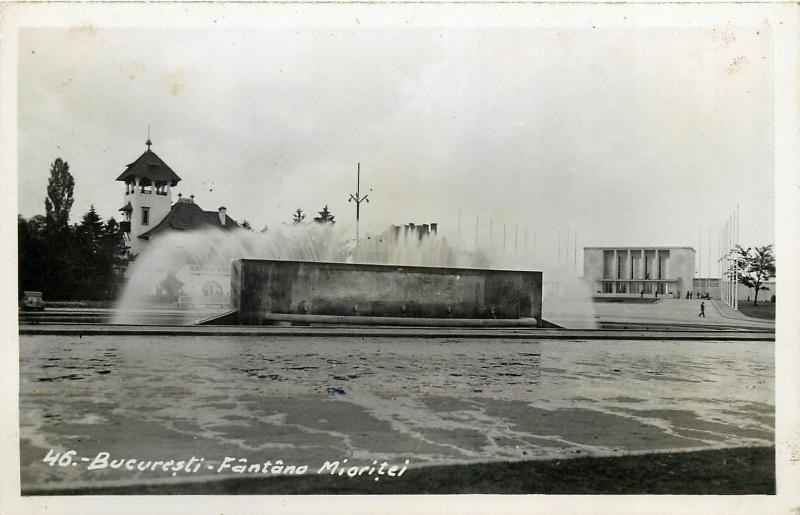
pixel 83 261
pixel 756 266
pixel 246 225
pixel 112 245
pixel 58 202
pixel 298 217
pixel 325 217
pixel 113 241
pixel 91 228
pixel 85 266
pixel 31 256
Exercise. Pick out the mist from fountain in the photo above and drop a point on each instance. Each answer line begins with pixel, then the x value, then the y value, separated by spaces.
pixel 193 268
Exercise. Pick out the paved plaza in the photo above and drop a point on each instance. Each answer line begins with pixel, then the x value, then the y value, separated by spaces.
pixel 679 312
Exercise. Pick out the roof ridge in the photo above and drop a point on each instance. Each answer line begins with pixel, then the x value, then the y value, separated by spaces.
pixel 188 216
pixel 150 166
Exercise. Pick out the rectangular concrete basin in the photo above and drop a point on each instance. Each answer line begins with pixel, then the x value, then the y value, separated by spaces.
pixel 260 288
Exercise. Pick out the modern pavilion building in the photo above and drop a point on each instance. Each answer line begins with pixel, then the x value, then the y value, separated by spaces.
pixel 636 271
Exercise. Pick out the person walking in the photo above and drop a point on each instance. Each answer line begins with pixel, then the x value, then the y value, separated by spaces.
pixel 702 310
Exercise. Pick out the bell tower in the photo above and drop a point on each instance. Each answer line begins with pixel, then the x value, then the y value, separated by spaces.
pixel 148 197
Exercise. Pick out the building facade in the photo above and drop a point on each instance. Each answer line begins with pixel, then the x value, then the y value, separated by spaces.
pixel 148 208
pixel 196 272
pixel 148 197
pixel 637 271
pixel 710 285
pixel 409 244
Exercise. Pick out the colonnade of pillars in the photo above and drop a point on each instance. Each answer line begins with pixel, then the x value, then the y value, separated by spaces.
pixel 627 274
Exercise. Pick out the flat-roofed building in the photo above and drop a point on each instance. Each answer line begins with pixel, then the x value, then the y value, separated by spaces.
pixel 636 271
pixel 710 285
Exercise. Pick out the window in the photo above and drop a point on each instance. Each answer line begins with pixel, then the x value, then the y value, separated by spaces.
pixel 212 288
pixel 607 288
pixel 145 216
pixel 608 264
pixel 161 188
pixel 636 265
pixel 622 287
pixel 145 186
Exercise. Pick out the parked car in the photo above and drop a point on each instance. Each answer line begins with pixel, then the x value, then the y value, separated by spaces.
pixel 32 301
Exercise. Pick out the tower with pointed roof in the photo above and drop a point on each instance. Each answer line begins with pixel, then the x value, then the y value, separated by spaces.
pixel 148 196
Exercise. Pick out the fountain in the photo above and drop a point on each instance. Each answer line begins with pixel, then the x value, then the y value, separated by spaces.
pixel 311 272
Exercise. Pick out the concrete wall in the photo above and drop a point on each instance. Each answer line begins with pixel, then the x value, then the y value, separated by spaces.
pixel 593 266
pixel 763 295
pixel 712 287
pixel 259 287
pixel 681 267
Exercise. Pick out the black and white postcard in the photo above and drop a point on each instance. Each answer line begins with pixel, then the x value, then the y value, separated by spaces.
pixel 358 257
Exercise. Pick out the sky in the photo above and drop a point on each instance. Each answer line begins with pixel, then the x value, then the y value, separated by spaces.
pixel 615 136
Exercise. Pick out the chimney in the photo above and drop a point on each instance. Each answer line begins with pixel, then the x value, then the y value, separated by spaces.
pixel 222 215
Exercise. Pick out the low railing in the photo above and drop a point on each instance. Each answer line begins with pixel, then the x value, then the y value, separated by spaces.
pixel 203 301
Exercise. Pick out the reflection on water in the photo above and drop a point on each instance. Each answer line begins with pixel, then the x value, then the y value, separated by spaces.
pixel 430 401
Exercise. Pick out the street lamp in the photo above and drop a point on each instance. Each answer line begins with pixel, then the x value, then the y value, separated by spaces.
pixel 358 199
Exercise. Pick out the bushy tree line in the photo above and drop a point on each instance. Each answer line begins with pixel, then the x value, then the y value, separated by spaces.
pixel 82 261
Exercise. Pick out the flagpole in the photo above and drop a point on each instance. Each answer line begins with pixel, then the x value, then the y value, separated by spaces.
pixel 736 276
pixel 699 259
pixel 730 260
pixel 708 265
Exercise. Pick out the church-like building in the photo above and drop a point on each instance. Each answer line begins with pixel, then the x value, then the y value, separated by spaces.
pixel 148 210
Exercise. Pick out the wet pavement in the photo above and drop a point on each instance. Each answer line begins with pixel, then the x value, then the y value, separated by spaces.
pixel 307 400
pixel 679 312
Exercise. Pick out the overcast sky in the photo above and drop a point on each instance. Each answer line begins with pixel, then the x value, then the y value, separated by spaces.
pixel 632 136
